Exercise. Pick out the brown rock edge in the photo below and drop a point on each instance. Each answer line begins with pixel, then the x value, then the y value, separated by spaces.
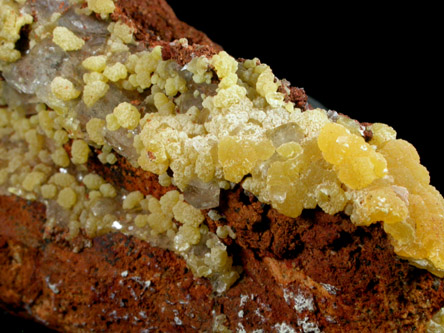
pixel 314 271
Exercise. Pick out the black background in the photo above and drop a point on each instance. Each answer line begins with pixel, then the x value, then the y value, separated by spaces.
pixel 369 61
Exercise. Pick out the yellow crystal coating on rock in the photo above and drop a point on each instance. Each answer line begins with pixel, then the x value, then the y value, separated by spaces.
pixel 199 67
pixel 381 134
pixel 67 197
pixel 187 214
pixel 93 181
pixel 132 200
pixel 60 157
pixel 224 64
pixel 32 180
pixel 321 162
pixel 121 31
pixel 211 123
pixel 94 128
pixel 88 204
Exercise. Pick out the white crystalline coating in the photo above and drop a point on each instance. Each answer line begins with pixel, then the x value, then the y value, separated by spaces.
pixel 116 225
pixel 283 328
pixel 178 321
pixel 240 328
pixel 330 289
pixel 53 286
pixel 243 300
pixel 299 301
pixel 258 313
pixel 308 326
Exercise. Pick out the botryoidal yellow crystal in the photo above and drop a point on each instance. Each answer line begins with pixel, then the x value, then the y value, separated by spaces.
pixel 424 224
pixel 389 184
pixel 238 156
pixel 356 164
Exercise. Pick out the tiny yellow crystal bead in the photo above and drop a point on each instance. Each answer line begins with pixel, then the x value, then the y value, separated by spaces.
pixel 127 115
pixel 66 39
pixel 64 89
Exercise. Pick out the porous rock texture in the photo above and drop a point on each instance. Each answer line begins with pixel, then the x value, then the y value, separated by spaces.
pixel 313 273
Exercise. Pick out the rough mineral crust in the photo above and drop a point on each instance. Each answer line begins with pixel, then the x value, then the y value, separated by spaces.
pixel 151 182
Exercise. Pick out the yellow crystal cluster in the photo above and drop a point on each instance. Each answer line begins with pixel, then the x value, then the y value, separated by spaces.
pixel 198 143
pixel 294 160
pixel 297 176
pixel 102 7
pixel 80 200
pixel 42 169
pixel 420 235
pixel 387 183
pixel 11 22
pixel 356 163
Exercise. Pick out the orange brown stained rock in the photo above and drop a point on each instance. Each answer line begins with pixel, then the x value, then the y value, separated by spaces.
pixel 70 290
pixel 154 20
pixel 330 250
pixel 136 102
pixel 151 155
pixel 124 175
pixel 184 54
pixel 295 95
pixel 17 216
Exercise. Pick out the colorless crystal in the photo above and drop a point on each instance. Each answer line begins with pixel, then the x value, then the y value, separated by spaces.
pixel 202 195
pixel 286 133
pixel 36 69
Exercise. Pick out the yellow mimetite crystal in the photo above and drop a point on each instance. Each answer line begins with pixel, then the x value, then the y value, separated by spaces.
pixel 103 7
pixel 11 22
pixel 66 39
pixel 238 156
pixel 356 162
pixel 425 222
